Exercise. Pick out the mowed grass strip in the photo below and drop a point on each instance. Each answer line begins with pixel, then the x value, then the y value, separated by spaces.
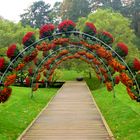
pixel 121 113
pixel 19 111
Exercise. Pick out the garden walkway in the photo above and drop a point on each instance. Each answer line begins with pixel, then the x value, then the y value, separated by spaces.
pixel 71 115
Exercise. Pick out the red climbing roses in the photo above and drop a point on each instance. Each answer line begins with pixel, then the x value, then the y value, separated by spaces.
pixel 122 49
pixel 12 51
pixel 46 30
pixel 5 94
pixel 106 37
pixel 66 25
pixel 89 28
pixel 28 39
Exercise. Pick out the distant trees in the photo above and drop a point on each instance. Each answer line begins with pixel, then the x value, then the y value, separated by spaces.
pixel 129 8
pixel 11 33
pixel 37 14
pixel 74 9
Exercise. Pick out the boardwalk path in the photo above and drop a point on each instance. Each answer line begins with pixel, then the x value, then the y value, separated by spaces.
pixel 72 115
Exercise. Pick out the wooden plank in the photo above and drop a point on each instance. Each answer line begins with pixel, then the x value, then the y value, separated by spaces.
pixel 72 115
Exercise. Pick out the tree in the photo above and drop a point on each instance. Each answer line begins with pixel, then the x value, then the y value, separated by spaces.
pixel 136 15
pixel 56 13
pixel 116 24
pixel 114 4
pixel 36 15
pixel 73 9
pixel 11 33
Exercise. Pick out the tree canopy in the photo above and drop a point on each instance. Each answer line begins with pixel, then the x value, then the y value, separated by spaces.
pixel 36 15
pixel 74 9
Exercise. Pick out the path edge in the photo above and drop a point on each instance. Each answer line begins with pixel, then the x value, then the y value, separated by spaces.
pixel 32 122
pixel 102 117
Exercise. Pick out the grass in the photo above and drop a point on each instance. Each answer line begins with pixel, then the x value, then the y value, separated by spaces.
pixel 121 113
pixel 18 112
pixel 70 75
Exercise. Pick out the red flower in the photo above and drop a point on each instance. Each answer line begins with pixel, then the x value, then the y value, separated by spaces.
pixel 90 28
pixel 12 51
pixel 122 49
pixel 10 79
pixel 109 86
pixel 2 62
pixel 131 94
pixel 136 64
pixel 30 70
pixel 5 94
pixel 106 37
pixel 43 81
pixel 117 79
pixel 66 25
pixel 27 81
pixel 27 37
pixel 46 30
pixel 31 56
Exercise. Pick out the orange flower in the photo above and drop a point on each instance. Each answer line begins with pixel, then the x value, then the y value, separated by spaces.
pixel 99 77
pixel 10 80
pixel 109 86
pixel 103 70
pixel 96 62
pixel 77 55
pixel 20 67
pixel 42 47
pixel 50 78
pixel 104 53
pixel 38 77
pixel 126 80
pixel 89 56
pixel 81 52
pixel 30 57
pixel 116 65
pixel 106 76
pixel 64 58
pixel 71 57
pixel 132 96
pixel 63 52
pixel 5 94
pixel 61 41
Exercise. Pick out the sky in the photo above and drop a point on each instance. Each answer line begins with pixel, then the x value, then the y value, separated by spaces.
pixel 11 9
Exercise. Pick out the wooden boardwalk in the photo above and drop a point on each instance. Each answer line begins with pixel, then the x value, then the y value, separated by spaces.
pixel 72 115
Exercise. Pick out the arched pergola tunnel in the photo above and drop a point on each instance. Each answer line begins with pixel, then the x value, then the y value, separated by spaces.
pixel 67 43
pixel 66 53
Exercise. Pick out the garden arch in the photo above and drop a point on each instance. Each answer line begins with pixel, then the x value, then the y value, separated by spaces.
pixel 67 43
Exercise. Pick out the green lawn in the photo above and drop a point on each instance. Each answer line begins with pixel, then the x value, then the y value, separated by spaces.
pixel 18 112
pixel 70 75
pixel 121 113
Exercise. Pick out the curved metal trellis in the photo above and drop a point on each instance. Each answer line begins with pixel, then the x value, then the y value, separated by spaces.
pixel 41 63
pixel 77 33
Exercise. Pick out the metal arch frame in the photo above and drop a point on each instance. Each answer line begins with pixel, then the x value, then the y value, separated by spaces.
pixel 80 33
pixel 92 64
pixel 41 63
